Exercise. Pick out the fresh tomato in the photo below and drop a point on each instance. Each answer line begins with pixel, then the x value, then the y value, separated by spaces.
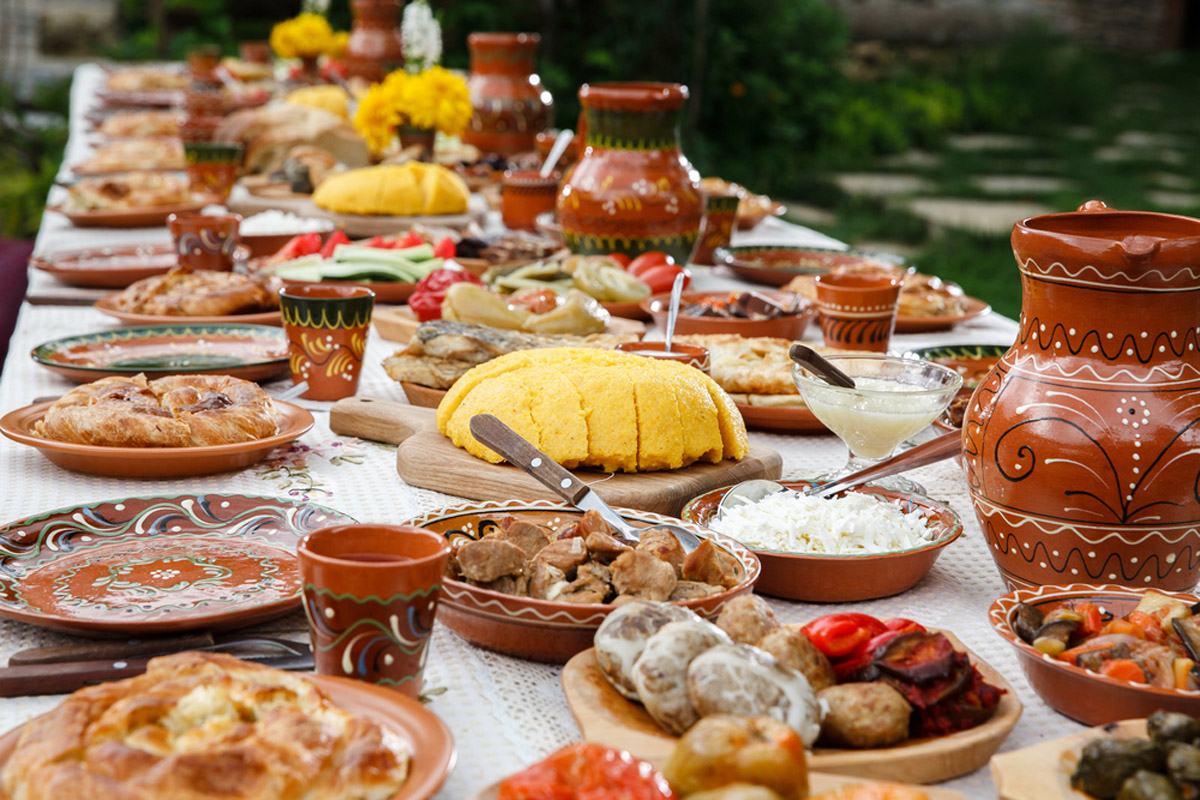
pixel 305 244
pixel 443 249
pixel 410 240
pixel 620 258
pixel 534 300
pixel 338 237
pixel 587 771
pixel 651 258
pixel 430 291
pixel 661 278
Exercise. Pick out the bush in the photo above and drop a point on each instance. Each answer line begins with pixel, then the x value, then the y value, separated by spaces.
pixel 29 157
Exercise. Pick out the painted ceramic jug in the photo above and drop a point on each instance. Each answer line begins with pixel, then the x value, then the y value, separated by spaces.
pixel 374 48
pixel 632 190
pixel 511 105
pixel 1082 445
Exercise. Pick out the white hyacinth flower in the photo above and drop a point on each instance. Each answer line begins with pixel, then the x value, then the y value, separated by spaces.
pixel 421 35
pixel 315 6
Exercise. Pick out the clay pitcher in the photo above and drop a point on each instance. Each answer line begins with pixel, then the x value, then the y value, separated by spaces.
pixel 1082 445
pixel 511 105
pixel 632 190
pixel 374 48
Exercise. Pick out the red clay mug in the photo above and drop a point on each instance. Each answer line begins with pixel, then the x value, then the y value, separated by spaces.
pixel 327 328
pixel 205 241
pixel 858 312
pixel 370 595
pixel 524 195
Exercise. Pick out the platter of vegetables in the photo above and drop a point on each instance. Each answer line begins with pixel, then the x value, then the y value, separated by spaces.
pixel 1104 653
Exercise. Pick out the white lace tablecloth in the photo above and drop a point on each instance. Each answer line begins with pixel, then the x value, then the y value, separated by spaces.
pixel 504 712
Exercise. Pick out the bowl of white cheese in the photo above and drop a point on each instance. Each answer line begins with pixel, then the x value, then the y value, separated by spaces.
pixel 865 543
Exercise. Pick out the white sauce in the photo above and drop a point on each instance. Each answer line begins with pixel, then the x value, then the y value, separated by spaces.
pixel 872 425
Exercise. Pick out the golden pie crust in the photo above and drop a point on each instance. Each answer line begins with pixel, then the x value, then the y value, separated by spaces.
pixel 754 371
pixel 202 726
pixel 175 411
pixel 127 191
pixel 140 79
pixel 133 154
pixel 196 293
pixel 141 123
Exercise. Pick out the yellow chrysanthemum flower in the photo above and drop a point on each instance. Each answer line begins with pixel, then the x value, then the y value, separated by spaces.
pixel 307 35
pixel 433 98
pixel 337 45
pixel 377 117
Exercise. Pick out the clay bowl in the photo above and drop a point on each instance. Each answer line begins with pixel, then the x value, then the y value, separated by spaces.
pixel 791 326
pixel 776 265
pixel 821 578
pixel 543 630
pixel 1088 697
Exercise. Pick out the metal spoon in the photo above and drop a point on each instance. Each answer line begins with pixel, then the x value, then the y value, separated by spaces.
pixel 520 453
pixel 673 309
pixel 816 363
pixel 922 455
pixel 560 147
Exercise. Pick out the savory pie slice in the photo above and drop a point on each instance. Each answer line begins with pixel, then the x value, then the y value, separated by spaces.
pixel 127 191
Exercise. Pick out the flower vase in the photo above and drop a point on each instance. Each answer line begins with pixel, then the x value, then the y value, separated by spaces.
pixel 511 105
pixel 374 48
pixel 424 138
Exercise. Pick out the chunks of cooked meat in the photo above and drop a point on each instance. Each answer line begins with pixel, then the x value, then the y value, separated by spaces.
pixel 664 546
pixel 546 581
pixel 690 590
pixel 484 560
pixel 564 554
pixel 592 584
pixel 710 564
pixel 640 574
pixel 747 619
pixel 525 535
pixel 605 547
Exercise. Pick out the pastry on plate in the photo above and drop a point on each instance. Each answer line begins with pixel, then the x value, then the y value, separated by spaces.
pixel 135 154
pixel 175 411
pixel 921 295
pixel 128 191
pixel 142 79
pixel 183 292
pixel 205 725
pixel 140 123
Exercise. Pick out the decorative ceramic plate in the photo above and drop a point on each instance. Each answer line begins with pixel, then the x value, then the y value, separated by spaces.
pixel 972 361
pixel 105 306
pixel 147 565
pixel 153 462
pixel 606 717
pixel 250 352
pixel 975 308
pixel 781 419
pixel 775 265
pixel 433 753
pixel 108 267
pixel 155 217
pixel 785 326
pixel 1043 771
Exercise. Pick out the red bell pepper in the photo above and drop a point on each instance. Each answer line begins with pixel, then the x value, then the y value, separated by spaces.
pixel 338 237
pixel 840 635
pixel 430 291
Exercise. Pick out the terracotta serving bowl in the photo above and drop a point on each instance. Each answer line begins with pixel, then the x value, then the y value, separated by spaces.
pixel 543 630
pixel 1088 697
pixel 776 265
pixel 791 326
pixel 820 578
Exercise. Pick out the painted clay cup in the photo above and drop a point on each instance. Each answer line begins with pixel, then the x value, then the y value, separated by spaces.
pixel 205 241
pixel 255 52
pixel 716 229
pixel 691 354
pixel 326 327
pixel 370 595
pixel 858 312
pixel 213 168
pixel 524 195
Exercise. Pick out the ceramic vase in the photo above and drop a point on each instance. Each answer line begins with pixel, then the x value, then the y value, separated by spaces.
pixel 1082 445
pixel 511 105
pixel 374 48
pixel 632 190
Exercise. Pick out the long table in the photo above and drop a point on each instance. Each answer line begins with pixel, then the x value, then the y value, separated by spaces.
pixel 504 712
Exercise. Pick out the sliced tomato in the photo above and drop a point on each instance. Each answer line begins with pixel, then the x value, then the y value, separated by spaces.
pixel 620 258
pixel 444 248
pixel 662 277
pixel 303 245
pixel 410 240
pixel 648 260
pixel 338 237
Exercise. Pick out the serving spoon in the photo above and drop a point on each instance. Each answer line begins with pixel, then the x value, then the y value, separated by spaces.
pixel 673 309
pixel 560 146
pixel 517 450
pixel 817 364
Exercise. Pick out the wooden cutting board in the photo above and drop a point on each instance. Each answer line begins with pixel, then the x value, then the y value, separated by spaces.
pixel 1043 771
pixel 605 717
pixel 399 323
pixel 427 459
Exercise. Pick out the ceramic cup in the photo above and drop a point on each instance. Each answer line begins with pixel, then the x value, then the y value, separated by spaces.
pixel 326 327
pixel 524 195
pixel 212 167
pixel 690 354
pixel 255 52
pixel 202 61
pixel 204 241
pixel 858 312
pixel 370 595
pixel 716 229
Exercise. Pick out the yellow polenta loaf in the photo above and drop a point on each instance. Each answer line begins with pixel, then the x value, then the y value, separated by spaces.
pixel 399 190
pixel 598 408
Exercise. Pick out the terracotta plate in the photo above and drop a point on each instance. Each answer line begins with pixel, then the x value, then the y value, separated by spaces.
pixel 152 98
pixel 108 267
pixel 627 310
pixel 972 361
pixel 264 186
pixel 791 326
pixel 781 419
pixel 385 291
pixel 153 462
pixel 975 308
pixel 250 352
pixel 105 306
pixel 824 578
pixel 146 565
pixel 155 217
pixel 606 717
pixel 1043 771
pixel 432 745
pixel 775 265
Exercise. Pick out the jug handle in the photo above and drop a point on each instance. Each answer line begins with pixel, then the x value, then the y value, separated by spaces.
pixel 1092 206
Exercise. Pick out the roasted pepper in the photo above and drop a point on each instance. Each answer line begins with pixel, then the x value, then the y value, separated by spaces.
pixel 840 635
pixel 430 291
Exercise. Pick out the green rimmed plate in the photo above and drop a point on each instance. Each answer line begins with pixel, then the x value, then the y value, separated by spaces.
pixel 145 565
pixel 250 352
pixel 972 361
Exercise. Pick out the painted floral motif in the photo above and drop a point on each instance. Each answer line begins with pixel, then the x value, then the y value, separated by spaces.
pixel 123 577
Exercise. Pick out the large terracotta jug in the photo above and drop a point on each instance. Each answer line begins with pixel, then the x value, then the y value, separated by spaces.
pixel 1082 446
pixel 632 190
pixel 374 48
pixel 511 105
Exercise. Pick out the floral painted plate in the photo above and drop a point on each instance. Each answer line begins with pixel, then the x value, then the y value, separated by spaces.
pixel 146 565
pixel 108 267
pixel 106 305
pixel 250 352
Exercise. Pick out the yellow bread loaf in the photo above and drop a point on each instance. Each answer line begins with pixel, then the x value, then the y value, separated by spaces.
pixel 331 98
pixel 598 408
pixel 394 190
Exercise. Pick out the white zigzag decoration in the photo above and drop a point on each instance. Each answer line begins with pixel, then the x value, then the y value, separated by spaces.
pixel 1107 278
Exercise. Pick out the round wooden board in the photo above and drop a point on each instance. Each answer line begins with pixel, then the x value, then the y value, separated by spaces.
pixel 1043 771
pixel 818 782
pixel 604 716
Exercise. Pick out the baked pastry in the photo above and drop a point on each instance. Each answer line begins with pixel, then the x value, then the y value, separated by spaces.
pixel 921 295
pixel 327 97
pixel 183 292
pixel 270 132
pixel 597 408
pixel 660 672
pixel 141 79
pixel 140 123
pixel 128 191
pixel 622 637
pixel 401 190
pixel 175 411
pixel 205 725
pixel 135 154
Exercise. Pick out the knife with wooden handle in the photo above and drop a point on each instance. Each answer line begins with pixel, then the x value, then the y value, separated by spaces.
pixel 111 649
